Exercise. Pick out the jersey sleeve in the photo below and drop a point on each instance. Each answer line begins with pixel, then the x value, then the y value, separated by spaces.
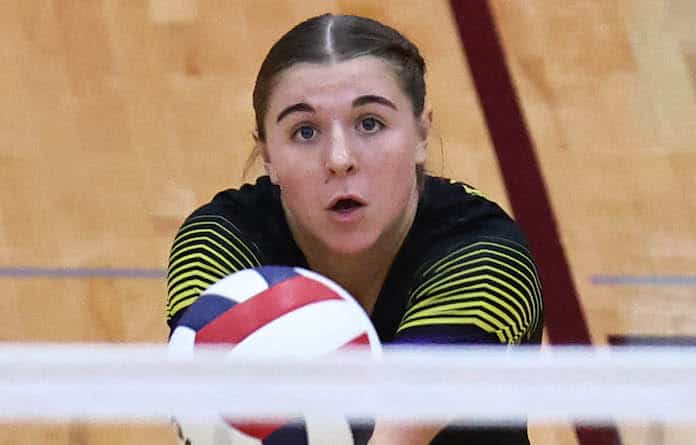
pixel 484 291
pixel 206 249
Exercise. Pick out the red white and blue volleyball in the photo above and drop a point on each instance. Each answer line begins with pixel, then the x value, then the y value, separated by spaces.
pixel 275 311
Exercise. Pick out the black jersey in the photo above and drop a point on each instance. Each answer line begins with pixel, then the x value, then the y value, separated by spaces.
pixel 463 275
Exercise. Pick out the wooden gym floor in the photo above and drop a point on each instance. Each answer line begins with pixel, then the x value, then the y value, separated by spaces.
pixel 119 118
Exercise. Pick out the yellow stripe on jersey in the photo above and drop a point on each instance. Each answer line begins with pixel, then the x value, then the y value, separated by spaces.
pixel 216 254
pixel 467 188
pixel 194 278
pixel 478 274
pixel 186 299
pixel 495 280
pixel 218 230
pixel 226 235
pixel 522 264
pixel 193 289
pixel 475 248
pixel 530 275
pixel 496 317
pixel 480 295
pixel 185 260
pixel 206 249
pixel 458 321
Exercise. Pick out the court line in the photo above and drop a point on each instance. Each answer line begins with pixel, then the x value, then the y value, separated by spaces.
pixel 565 320
pixel 643 280
pixel 81 272
pixel 152 273
pixel 652 340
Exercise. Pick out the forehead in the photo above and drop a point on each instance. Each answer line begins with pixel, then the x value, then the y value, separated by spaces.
pixel 331 84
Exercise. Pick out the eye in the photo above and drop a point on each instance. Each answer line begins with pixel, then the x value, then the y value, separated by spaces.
pixel 370 125
pixel 305 133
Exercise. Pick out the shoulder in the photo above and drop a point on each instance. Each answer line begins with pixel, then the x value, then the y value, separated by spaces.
pixel 230 233
pixel 248 202
pixel 474 272
pixel 455 211
pixel 252 212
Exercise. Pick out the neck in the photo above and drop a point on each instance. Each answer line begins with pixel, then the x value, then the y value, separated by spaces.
pixel 362 274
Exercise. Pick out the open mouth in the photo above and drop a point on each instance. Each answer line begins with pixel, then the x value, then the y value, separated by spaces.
pixel 346 205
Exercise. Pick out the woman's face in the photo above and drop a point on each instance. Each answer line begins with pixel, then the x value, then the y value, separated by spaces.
pixel 342 143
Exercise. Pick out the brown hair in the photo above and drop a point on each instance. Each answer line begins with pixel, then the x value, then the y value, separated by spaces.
pixel 336 38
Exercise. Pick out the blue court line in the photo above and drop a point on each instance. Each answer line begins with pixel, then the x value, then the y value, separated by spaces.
pixel 644 280
pixel 86 272
pixel 142 273
pixel 652 340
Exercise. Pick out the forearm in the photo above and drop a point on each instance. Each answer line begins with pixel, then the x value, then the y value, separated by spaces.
pixel 395 433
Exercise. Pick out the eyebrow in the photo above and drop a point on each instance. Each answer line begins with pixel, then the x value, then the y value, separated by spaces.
pixel 300 107
pixel 303 107
pixel 373 99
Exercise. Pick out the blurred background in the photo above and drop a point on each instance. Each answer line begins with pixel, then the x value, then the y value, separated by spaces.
pixel 117 119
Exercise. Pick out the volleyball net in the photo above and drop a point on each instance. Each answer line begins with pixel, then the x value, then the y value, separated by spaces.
pixel 146 382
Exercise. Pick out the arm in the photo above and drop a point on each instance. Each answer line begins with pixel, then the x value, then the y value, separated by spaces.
pixel 206 249
pixel 483 292
pixel 388 433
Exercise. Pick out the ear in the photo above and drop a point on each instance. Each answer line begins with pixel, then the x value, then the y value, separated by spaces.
pixel 267 166
pixel 270 171
pixel 425 122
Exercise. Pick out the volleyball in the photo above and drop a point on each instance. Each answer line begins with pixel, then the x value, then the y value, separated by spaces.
pixel 273 311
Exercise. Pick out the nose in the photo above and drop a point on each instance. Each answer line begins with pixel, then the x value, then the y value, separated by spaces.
pixel 339 159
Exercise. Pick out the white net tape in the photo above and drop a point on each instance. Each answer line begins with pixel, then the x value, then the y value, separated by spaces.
pixel 52 382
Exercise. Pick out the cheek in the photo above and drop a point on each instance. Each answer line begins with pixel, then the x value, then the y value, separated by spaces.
pixel 398 158
pixel 296 180
pixel 295 183
pixel 289 165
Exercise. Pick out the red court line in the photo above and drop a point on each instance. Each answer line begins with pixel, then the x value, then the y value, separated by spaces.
pixel 564 319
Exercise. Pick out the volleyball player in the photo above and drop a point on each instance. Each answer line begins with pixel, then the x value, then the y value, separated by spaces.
pixel 342 127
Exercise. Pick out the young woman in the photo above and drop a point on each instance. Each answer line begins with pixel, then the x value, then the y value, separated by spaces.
pixel 342 127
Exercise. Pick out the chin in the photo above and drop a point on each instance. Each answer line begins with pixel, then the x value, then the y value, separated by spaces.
pixel 350 245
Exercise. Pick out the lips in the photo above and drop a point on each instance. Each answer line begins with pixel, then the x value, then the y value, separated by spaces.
pixel 345 203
